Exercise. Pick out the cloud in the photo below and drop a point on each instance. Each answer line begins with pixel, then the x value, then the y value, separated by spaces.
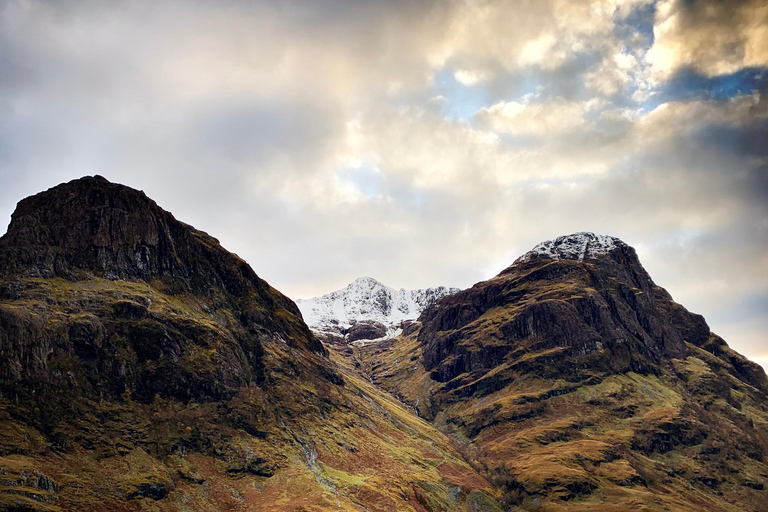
pixel 552 118
pixel 467 77
pixel 613 75
pixel 709 36
pixel 677 118
pixel 546 33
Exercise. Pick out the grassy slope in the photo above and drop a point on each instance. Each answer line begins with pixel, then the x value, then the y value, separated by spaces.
pixel 627 442
pixel 298 443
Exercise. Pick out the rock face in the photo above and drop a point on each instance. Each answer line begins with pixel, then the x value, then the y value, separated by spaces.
pixel 587 297
pixel 93 227
pixel 366 310
pixel 574 382
pixel 143 366
pixel 94 230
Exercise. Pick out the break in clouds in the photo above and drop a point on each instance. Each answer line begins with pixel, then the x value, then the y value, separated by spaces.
pixel 421 143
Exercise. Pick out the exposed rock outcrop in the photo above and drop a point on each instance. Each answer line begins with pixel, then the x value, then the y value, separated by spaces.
pixel 585 297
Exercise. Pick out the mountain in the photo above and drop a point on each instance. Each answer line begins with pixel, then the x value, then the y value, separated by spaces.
pixel 573 382
pixel 366 310
pixel 144 367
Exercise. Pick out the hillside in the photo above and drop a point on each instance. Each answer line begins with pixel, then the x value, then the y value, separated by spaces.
pixel 573 382
pixel 144 367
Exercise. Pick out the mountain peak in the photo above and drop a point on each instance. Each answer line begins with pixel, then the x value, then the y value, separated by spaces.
pixel 92 228
pixel 365 281
pixel 367 301
pixel 616 258
pixel 577 334
pixel 132 340
pixel 576 246
pixel 96 226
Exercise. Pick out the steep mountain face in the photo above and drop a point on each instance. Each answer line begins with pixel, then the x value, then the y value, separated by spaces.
pixel 595 299
pixel 367 310
pixel 97 238
pixel 142 366
pixel 573 382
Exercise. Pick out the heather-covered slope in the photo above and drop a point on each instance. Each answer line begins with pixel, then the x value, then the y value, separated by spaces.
pixel 145 367
pixel 573 382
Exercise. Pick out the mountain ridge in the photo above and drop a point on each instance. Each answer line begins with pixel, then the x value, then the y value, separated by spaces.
pixel 367 310
pixel 573 382
pixel 579 246
pixel 145 367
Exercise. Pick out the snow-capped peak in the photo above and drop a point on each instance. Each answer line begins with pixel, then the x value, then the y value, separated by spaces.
pixel 577 246
pixel 366 299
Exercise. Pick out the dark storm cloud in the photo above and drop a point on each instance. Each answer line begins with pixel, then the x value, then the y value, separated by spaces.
pixel 713 37
pixel 730 23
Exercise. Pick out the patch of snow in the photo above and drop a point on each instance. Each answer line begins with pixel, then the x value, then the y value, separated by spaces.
pixel 578 246
pixel 362 343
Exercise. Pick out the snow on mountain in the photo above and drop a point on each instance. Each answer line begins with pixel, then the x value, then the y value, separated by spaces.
pixel 366 300
pixel 577 246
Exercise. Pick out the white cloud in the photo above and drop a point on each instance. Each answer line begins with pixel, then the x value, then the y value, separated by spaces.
pixel 551 118
pixel 613 75
pixel 466 77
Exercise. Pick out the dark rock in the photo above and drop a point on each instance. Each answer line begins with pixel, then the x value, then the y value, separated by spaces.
pixel 153 490
pixel 257 466
pixel 409 327
pixel 758 486
pixel 709 481
pixel 93 226
pixel 663 437
pixel 191 476
pixel 30 478
pixel 129 310
pixel 577 489
pixel 365 330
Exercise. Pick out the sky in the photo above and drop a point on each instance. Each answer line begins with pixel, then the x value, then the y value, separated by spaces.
pixel 421 143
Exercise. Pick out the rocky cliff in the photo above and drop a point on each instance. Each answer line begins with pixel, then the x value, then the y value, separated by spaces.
pixel 574 382
pixel 113 279
pixel 143 366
